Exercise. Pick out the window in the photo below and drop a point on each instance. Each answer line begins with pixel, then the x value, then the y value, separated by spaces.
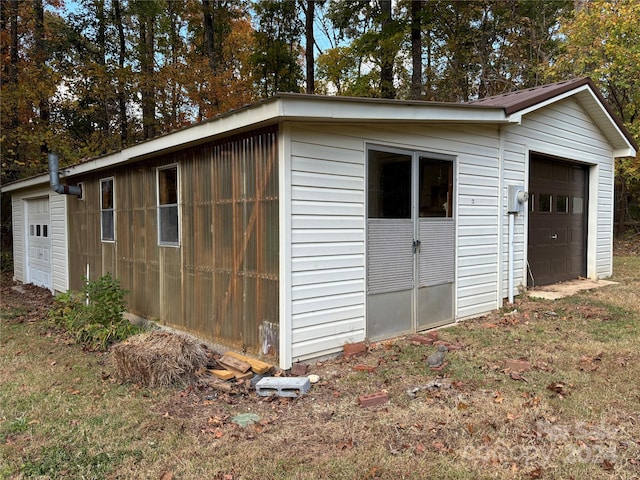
pixel 562 204
pixel 168 221
pixel 577 205
pixel 544 203
pixel 107 212
pixel 436 187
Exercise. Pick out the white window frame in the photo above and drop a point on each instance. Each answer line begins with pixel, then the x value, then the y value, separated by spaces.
pixel 160 207
pixel 104 210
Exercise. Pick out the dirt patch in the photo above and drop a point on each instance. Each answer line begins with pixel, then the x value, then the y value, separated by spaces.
pixel 539 389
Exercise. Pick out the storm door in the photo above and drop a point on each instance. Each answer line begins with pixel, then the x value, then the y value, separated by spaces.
pixel 410 242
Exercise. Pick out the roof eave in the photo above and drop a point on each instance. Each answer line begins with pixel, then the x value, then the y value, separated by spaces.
pixel 621 140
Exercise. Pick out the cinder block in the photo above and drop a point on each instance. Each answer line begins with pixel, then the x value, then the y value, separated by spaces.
pixel 283 386
pixel 373 399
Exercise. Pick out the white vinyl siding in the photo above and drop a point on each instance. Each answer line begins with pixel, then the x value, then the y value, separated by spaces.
pixel 327 243
pixel 19 237
pixel 328 260
pixel 57 233
pixel 59 243
pixel 563 130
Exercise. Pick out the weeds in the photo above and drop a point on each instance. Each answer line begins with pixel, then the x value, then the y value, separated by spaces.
pixel 94 315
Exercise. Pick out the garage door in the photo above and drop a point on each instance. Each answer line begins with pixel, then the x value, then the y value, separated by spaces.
pixel 557 247
pixel 39 242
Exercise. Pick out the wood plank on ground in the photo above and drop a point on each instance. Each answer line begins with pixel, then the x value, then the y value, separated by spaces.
pixel 229 361
pixel 240 375
pixel 257 366
pixel 222 374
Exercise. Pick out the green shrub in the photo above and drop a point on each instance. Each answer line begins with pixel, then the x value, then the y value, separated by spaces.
pixel 94 315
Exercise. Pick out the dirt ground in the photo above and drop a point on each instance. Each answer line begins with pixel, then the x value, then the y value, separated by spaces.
pixel 475 415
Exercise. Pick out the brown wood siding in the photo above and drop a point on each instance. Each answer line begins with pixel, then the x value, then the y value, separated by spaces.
pixel 222 282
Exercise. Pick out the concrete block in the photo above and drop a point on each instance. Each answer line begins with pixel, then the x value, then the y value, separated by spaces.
pixel 283 386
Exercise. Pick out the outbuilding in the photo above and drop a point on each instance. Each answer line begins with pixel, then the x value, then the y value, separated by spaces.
pixel 293 226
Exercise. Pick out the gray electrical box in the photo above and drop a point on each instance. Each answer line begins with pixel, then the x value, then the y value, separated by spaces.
pixel 516 199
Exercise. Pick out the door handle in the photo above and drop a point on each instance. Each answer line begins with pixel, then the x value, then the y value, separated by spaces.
pixel 554 236
pixel 416 245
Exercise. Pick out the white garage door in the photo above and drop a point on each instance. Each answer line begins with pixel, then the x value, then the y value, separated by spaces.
pixel 39 243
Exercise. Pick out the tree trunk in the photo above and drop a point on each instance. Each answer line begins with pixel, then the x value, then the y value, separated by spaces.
pixel 208 34
pixel 309 17
pixel 103 118
pixel 147 71
pixel 40 57
pixel 122 97
pixel 416 49
pixel 387 89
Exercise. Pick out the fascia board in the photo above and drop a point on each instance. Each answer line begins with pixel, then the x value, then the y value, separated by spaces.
pixel 312 110
pixel 624 152
pixel 26 183
pixel 550 101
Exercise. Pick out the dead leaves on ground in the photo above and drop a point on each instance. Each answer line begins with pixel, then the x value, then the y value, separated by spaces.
pixel 559 388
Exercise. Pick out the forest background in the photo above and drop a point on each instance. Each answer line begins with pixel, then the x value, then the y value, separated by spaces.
pixel 87 77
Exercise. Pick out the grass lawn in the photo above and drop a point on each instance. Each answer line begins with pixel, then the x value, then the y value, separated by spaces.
pixel 574 414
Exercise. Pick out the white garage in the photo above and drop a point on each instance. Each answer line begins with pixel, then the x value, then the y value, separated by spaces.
pixel 40 236
pixel 38 242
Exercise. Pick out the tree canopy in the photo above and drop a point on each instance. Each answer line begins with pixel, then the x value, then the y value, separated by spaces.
pixel 108 73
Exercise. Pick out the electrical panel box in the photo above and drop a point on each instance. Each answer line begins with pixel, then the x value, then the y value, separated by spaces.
pixel 516 199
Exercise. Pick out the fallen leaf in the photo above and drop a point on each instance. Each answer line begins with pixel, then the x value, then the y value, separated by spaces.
pixel 489 325
pixel 536 473
pixel 420 448
pixel 166 476
pixel 348 445
pixel 462 406
pixel 371 474
pixel 439 446
pixel 607 465
pixel 560 388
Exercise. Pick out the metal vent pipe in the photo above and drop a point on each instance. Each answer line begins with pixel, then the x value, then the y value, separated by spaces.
pixel 54 178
